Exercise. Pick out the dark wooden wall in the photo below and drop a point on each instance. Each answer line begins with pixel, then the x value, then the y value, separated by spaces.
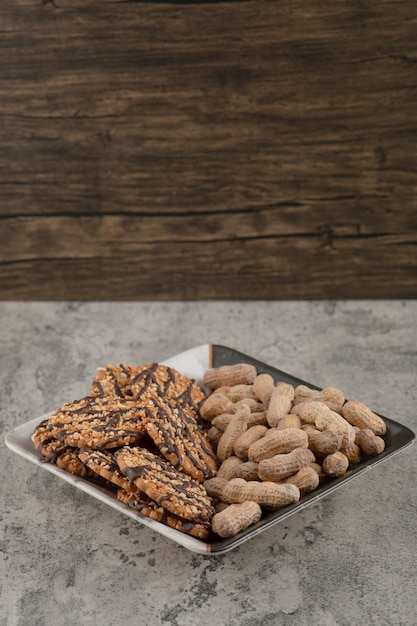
pixel 208 150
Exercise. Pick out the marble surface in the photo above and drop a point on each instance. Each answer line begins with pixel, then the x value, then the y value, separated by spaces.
pixel 349 559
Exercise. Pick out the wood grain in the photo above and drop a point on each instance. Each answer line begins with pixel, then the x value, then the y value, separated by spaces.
pixel 208 150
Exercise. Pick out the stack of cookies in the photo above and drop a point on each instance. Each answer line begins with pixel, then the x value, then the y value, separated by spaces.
pixel 139 432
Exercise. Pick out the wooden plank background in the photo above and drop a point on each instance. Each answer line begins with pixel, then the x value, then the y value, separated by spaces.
pixel 208 150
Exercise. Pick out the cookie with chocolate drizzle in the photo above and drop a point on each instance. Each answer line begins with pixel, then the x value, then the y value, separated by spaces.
pixel 103 464
pixel 167 383
pixel 125 381
pixel 139 430
pixel 41 436
pixel 69 461
pixel 112 381
pixel 98 423
pixel 180 440
pixel 53 451
pixel 167 486
pixel 145 506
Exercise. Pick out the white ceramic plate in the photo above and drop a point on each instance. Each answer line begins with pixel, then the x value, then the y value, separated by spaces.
pixel 193 363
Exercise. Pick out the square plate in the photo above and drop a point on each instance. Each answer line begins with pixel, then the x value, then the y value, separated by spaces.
pixel 193 363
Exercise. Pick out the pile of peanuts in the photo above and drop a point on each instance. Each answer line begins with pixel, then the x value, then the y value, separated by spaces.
pixel 276 442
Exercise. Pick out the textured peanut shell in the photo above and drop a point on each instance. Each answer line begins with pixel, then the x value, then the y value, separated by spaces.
pixel 302 391
pixel 252 403
pixel 309 411
pixel 324 442
pixel 285 389
pixel 214 405
pixel 258 417
pixel 335 465
pixel 358 414
pixel 281 466
pixel 236 426
pixel 262 387
pixel 333 395
pixel 214 486
pixel 319 470
pixel 369 443
pixel 306 479
pixel 289 421
pixel 219 505
pixel 269 495
pixel 277 441
pixel 221 421
pixel 279 405
pixel 235 518
pixel 353 453
pixel 238 392
pixel 229 375
pixel 329 420
pixel 246 439
pixel 300 400
pixel 337 408
pixel 229 468
pixel 213 435
pixel 248 470
pixel 309 428
pixel 303 400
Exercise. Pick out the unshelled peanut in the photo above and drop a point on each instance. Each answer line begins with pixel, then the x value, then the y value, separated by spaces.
pixel 333 395
pixel 358 414
pixel 236 392
pixel 269 495
pixel 289 421
pixel 221 421
pixel 281 466
pixel 257 418
pixel 353 453
pixel 254 405
pixel 229 468
pixel 247 470
pixel 330 420
pixel 235 518
pixel 369 443
pixel 277 441
pixel 214 486
pixel 246 439
pixel 335 465
pixel 236 426
pixel 322 443
pixel 306 479
pixel 263 386
pixel 280 403
pixel 214 405
pixel 213 435
pixel 229 375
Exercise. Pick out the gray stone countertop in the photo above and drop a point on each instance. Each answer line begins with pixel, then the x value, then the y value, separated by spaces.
pixel 349 559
